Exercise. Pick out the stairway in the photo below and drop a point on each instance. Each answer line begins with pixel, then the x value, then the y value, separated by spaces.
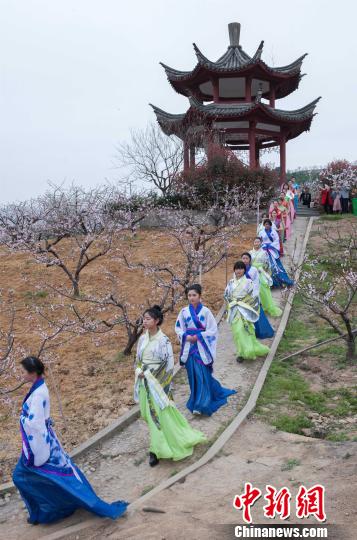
pixel 304 211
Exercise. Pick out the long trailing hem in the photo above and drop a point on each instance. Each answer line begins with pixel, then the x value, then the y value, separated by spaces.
pixel 279 274
pixel 268 302
pixel 52 495
pixel 171 436
pixel 207 394
pixel 263 328
pixel 246 343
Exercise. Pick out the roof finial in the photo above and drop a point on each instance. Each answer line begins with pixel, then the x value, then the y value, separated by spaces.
pixel 234 32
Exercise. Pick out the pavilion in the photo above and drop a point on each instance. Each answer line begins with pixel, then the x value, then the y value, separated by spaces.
pixel 232 102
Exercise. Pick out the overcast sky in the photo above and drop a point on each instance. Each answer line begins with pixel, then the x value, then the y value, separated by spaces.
pixel 77 75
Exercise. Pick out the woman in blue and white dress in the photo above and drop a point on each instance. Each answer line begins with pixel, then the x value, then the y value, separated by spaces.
pixel 50 484
pixel 197 330
pixel 263 328
pixel 271 244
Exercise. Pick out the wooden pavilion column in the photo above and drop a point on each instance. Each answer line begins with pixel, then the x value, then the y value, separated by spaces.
pixel 192 156
pixel 248 89
pixel 186 157
pixel 272 97
pixel 283 158
pixel 257 156
pixel 252 147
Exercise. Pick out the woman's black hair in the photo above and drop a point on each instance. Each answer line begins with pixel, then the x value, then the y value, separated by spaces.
pixel 239 264
pixel 248 255
pixel 32 364
pixel 155 313
pixel 195 287
pixel 258 238
pixel 268 221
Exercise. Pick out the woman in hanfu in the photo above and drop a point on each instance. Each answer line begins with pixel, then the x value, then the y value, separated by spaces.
pixel 50 484
pixel 289 197
pixel 263 328
pixel 243 312
pixel 171 436
pixel 276 220
pixel 197 331
pixel 260 227
pixel 284 209
pixel 270 244
pixel 260 261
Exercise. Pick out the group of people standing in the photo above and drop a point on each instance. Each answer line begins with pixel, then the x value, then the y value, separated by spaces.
pixel 335 199
pixel 51 485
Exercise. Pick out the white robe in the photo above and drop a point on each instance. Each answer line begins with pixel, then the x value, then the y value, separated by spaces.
pixel 275 243
pixel 35 412
pixel 254 275
pixel 209 335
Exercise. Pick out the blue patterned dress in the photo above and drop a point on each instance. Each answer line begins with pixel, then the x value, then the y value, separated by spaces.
pixel 207 395
pixel 50 484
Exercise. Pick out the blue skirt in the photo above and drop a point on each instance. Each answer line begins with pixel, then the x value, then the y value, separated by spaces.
pixel 207 395
pixel 49 496
pixel 279 275
pixel 263 328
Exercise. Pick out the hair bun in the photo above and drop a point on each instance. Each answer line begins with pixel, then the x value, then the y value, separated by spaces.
pixel 158 308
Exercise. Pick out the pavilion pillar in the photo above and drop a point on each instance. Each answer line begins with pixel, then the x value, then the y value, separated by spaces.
pixel 192 156
pixel 252 146
pixel 215 84
pixel 272 97
pixel 257 155
pixel 283 159
pixel 186 157
pixel 248 89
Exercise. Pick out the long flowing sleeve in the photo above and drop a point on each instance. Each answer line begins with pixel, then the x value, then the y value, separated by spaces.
pixel 35 430
pixel 180 326
pixel 228 293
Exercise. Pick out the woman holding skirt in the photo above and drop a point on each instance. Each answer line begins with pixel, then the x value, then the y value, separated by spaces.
pixel 260 261
pixel 197 331
pixel 243 312
pixel 171 436
pixel 50 484
pixel 270 244
pixel 263 328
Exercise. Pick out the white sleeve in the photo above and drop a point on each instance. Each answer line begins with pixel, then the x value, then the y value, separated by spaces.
pixel 180 326
pixel 169 355
pixel 35 428
pixel 276 242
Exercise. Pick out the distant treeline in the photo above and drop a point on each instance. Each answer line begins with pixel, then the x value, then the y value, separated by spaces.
pixel 305 175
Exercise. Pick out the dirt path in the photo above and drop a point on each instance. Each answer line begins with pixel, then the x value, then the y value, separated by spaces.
pixel 118 468
pixel 258 454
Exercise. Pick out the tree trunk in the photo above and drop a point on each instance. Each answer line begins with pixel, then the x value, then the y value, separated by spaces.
pixel 351 350
pixel 76 292
pixel 351 340
pixel 132 339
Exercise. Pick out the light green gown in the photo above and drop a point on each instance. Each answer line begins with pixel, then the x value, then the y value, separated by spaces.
pixel 261 262
pixel 243 312
pixel 171 436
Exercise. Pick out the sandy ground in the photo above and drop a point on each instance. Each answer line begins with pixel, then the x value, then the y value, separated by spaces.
pixel 258 454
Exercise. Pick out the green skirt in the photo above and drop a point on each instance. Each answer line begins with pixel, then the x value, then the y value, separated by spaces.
pixel 171 436
pixel 267 301
pixel 247 345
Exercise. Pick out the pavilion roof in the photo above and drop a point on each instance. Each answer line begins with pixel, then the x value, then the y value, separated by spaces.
pixel 199 113
pixel 235 61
